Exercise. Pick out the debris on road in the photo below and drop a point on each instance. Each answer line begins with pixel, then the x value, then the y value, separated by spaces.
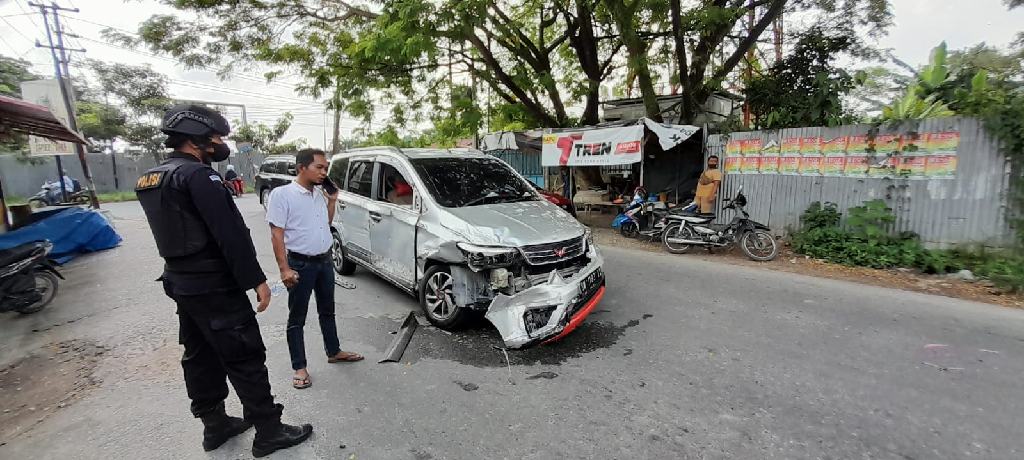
pixel 942 368
pixel 344 284
pixel 508 363
pixel 397 348
pixel 466 385
pixel 543 375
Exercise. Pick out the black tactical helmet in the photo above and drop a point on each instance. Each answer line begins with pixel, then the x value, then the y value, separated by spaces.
pixel 194 121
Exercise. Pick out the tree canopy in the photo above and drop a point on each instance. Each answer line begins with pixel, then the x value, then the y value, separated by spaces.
pixel 542 62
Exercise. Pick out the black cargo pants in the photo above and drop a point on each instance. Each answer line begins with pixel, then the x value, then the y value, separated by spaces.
pixel 222 341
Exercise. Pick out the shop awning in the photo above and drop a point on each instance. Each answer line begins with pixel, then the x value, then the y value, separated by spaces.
pixel 18 116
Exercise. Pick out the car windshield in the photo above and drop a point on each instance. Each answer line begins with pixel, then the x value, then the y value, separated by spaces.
pixel 459 182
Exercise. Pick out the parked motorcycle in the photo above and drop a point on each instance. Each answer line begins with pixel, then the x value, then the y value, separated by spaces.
pixel 643 218
pixel 28 279
pixel 755 239
pixel 50 195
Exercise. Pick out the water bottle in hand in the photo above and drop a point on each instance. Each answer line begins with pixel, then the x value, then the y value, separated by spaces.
pixel 276 288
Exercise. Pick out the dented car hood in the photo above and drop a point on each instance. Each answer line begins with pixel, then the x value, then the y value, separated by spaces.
pixel 513 224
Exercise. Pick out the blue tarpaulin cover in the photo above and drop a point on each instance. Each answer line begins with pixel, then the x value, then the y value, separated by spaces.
pixel 72 231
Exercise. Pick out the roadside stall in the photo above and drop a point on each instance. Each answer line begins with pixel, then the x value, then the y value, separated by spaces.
pixel 70 231
pixel 654 156
pixel 21 117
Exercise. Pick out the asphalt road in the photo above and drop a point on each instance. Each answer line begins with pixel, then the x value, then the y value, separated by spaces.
pixel 684 359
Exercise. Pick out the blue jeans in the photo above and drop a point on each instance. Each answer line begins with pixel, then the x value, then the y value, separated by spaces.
pixel 314 277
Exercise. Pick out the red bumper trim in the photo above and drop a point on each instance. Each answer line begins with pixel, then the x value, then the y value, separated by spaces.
pixel 578 318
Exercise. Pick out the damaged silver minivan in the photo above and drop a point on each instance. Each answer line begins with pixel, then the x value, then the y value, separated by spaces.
pixel 465 233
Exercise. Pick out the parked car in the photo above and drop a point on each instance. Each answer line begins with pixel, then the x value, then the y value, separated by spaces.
pixel 555 199
pixel 465 233
pixel 276 170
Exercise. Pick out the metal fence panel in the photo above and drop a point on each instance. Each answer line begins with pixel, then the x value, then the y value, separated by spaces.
pixel 970 208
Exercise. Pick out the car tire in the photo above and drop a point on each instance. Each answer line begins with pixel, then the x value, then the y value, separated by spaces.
pixel 342 264
pixel 438 301
pixel 264 197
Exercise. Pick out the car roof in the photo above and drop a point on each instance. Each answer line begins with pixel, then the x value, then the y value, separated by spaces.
pixel 414 153
pixel 279 157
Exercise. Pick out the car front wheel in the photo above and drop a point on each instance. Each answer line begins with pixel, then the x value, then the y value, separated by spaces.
pixel 342 265
pixel 437 298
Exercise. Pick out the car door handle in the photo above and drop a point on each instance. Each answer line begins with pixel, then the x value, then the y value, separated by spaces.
pixel 375 216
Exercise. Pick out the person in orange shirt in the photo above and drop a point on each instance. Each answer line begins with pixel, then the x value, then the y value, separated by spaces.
pixel 707 186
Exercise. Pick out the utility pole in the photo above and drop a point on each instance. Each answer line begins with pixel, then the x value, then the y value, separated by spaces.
pixel 60 65
pixel 336 101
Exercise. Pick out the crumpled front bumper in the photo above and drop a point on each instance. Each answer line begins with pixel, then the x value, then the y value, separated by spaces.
pixel 507 312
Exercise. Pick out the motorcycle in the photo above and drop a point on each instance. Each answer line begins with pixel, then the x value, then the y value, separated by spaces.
pixel 643 218
pixel 28 279
pixel 50 195
pixel 755 239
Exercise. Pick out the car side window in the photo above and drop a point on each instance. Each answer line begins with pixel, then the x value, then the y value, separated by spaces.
pixel 267 168
pixel 393 186
pixel 360 178
pixel 338 171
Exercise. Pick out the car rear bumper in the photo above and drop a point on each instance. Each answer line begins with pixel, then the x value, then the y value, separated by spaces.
pixel 569 301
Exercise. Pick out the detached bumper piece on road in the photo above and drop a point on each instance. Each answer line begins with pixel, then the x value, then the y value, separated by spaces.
pixel 548 312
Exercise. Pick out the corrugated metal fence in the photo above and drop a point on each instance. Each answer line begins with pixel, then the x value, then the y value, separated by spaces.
pixel 969 208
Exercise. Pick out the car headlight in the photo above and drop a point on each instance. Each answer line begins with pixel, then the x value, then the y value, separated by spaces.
pixel 483 257
pixel 588 235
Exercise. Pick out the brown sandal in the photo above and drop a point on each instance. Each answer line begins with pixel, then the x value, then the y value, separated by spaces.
pixel 301 383
pixel 345 357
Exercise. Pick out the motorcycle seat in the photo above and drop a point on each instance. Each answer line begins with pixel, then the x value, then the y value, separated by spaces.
pixel 22 251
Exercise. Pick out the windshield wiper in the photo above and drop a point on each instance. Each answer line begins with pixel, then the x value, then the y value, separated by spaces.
pixel 486 196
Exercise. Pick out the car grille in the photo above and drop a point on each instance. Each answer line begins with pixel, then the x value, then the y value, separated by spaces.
pixel 549 253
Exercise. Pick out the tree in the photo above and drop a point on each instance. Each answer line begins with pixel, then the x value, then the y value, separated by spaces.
pixel 101 123
pixel 541 56
pixel 12 73
pixel 142 95
pixel 806 88
pixel 266 139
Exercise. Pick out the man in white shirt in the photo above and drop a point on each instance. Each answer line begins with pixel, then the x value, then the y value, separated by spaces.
pixel 300 214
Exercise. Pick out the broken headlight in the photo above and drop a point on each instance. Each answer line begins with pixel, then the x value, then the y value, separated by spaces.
pixel 537 318
pixel 484 257
pixel 588 236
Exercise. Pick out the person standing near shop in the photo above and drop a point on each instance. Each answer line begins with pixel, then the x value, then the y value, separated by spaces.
pixel 300 216
pixel 708 185
pixel 209 264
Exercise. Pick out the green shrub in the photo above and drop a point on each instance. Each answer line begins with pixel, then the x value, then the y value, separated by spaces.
pixel 867 242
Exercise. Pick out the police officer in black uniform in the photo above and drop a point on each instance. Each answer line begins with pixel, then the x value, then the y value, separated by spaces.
pixel 210 263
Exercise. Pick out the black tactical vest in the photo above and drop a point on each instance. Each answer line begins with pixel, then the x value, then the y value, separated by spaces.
pixel 176 225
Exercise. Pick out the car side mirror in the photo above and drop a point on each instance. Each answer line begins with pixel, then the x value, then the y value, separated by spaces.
pixel 291 171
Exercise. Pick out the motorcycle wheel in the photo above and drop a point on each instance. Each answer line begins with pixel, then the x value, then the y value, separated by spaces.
pixel 759 245
pixel 677 231
pixel 46 284
pixel 629 229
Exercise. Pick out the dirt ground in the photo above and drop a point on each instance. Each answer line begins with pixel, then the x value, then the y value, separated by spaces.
pixel 47 381
pixel 980 291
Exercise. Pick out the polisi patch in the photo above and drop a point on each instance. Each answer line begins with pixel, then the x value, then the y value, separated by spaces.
pixel 215 178
pixel 149 180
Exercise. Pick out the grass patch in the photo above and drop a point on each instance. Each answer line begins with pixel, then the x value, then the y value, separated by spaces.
pixel 115 197
pixel 865 241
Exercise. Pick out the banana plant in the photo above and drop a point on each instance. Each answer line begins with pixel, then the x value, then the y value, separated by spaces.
pixel 913 107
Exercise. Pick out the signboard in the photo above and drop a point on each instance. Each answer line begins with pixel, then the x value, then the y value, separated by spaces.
pixel 594 147
pixel 47 94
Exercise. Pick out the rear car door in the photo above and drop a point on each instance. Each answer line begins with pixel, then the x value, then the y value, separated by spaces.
pixel 393 223
pixel 354 201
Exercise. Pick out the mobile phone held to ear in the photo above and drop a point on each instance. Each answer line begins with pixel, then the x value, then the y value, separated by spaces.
pixel 329 186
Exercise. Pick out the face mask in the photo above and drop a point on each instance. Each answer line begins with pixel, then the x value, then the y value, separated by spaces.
pixel 221 152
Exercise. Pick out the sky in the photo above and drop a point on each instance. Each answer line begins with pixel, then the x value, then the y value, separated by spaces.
pixel 919 26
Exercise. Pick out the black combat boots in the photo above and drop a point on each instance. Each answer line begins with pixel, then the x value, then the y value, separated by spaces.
pixel 273 436
pixel 218 427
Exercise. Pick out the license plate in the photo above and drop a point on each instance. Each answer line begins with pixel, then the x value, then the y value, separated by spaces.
pixel 591 283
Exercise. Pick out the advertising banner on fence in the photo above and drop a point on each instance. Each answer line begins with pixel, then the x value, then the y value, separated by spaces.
pixel 594 147
pixel 924 156
pixel 47 94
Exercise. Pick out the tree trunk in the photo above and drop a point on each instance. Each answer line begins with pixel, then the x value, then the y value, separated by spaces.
pixel 636 50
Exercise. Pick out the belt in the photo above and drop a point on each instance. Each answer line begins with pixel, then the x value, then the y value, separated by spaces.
pixel 316 258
